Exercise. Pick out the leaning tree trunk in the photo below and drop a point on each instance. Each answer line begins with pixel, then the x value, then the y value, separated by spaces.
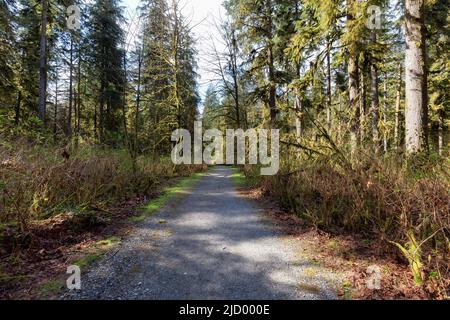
pixel 43 63
pixel 415 81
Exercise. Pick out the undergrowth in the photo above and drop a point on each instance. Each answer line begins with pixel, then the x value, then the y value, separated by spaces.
pixel 404 205
pixel 38 182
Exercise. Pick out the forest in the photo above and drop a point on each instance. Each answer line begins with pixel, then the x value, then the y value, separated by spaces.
pixel 359 90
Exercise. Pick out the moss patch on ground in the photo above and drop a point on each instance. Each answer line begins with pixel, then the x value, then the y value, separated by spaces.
pixel 98 250
pixel 88 259
pixel 107 243
pixel 51 287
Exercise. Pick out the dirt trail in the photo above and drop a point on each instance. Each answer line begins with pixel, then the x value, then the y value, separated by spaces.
pixel 213 244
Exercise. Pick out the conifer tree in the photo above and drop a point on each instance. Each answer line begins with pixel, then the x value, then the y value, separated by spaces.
pixel 106 56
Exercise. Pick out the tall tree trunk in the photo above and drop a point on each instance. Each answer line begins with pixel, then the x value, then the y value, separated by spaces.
pixel 43 63
pixel 385 110
pixel 298 106
pixel 138 104
pixel 272 90
pixel 353 78
pixel 353 100
pixel 17 111
pixel 271 65
pixel 55 115
pixel 299 114
pixel 328 83
pixel 375 101
pixel 341 108
pixel 441 132
pixel 235 77
pixel 128 142
pixel 415 83
pixel 79 95
pixel 362 103
pixel 398 100
pixel 69 113
pixel 95 122
pixel 101 112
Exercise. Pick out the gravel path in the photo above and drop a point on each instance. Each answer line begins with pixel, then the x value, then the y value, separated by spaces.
pixel 213 244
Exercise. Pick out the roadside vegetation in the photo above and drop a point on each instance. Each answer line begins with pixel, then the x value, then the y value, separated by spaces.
pixel 401 210
pixel 58 203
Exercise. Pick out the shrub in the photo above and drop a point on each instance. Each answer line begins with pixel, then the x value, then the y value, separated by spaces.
pixel 405 205
pixel 38 182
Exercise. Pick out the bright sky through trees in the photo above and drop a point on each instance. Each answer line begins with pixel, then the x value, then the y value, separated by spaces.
pixel 202 14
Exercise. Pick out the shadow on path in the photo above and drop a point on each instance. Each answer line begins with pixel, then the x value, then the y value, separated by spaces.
pixel 213 244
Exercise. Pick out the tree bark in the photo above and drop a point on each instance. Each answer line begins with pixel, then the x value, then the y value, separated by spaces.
pixel 299 115
pixel 398 100
pixel 43 63
pixel 79 95
pixel 362 103
pixel 271 65
pixel 385 110
pixel 17 111
pixel 353 100
pixel 138 103
pixel 101 111
pixel 55 115
pixel 375 102
pixel 441 132
pixel 234 53
pixel 69 112
pixel 415 82
pixel 328 84
pixel 95 122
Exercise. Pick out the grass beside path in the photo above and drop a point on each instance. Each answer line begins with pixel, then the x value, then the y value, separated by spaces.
pixel 238 177
pixel 168 194
pixel 241 180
